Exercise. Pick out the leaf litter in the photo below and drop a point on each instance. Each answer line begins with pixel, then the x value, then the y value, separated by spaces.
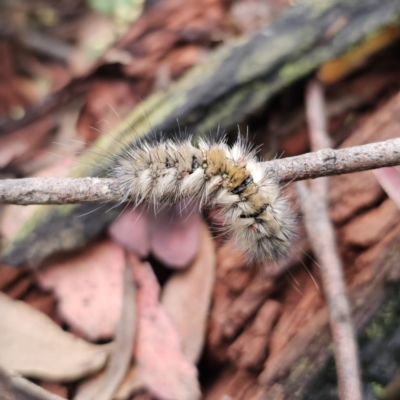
pixel 104 386
pixel 187 297
pixel 33 345
pixel 89 288
pixel 165 371
pixel 15 387
pixel 239 300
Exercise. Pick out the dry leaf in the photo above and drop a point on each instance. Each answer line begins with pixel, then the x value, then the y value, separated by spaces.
pixel 187 297
pixel 175 235
pixel 33 345
pixel 89 288
pixel 131 384
pixel 105 386
pixel 165 371
pixel 389 178
pixel 131 230
pixel 15 387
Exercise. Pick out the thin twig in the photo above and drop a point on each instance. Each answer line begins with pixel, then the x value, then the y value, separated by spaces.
pixel 321 163
pixel 314 202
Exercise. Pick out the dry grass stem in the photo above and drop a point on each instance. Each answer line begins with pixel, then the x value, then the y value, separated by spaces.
pixel 314 203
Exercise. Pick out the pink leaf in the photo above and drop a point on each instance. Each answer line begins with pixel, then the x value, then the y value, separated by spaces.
pixel 187 297
pixel 131 230
pixel 89 288
pixel 163 368
pixel 175 235
pixel 389 178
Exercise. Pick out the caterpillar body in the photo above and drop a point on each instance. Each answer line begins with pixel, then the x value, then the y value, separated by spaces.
pixel 254 211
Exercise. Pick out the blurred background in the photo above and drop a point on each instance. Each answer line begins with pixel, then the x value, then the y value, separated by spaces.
pixel 78 80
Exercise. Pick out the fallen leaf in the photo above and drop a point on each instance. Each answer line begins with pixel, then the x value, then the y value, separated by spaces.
pixel 15 387
pixel 131 230
pixel 165 371
pixel 175 235
pixel 131 384
pixel 33 345
pixel 89 288
pixel 389 179
pixel 106 385
pixel 187 297
pixel 55 388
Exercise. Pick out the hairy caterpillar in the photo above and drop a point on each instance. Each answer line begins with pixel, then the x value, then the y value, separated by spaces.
pixel 250 203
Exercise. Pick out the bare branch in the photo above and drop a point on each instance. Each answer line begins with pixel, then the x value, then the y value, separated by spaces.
pixel 325 162
pixel 59 191
pixel 328 162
